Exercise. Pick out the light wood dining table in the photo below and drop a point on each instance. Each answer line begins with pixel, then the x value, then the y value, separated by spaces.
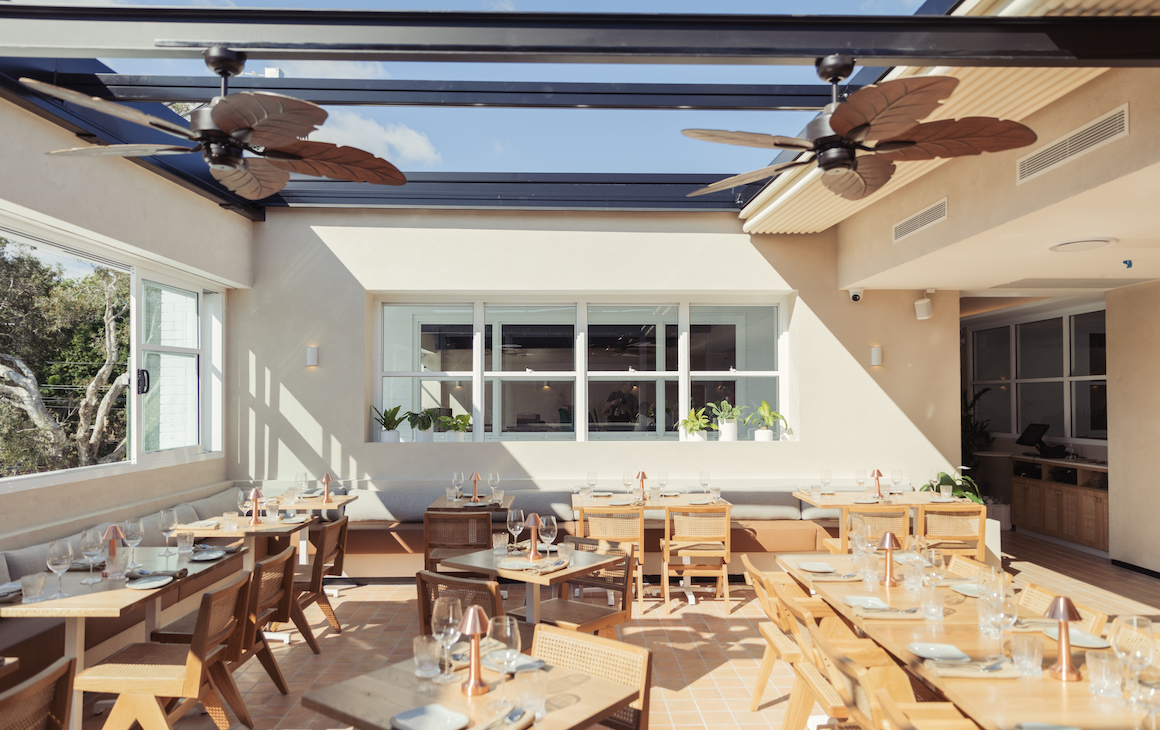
pixel 250 534
pixel 313 504
pixel 442 504
pixel 368 702
pixel 995 704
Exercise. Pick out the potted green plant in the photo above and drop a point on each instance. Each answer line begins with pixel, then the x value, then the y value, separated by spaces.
pixel 727 416
pixel 694 426
pixel 457 426
pixel 390 421
pixel 422 425
pixel 962 486
pixel 768 421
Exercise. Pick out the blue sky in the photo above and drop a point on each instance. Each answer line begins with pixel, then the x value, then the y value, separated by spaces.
pixel 451 139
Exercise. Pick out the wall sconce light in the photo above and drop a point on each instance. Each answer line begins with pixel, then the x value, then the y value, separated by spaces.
pixel 311 357
pixel 922 308
pixel 875 357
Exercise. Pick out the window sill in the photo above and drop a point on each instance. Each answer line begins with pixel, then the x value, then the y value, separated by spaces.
pixel 27 482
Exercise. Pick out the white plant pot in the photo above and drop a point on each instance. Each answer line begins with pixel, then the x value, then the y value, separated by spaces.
pixel 390 437
pixel 455 436
pixel 763 434
pixel 727 428
pixel 694 435
pixel 1000 513
pixel 426 436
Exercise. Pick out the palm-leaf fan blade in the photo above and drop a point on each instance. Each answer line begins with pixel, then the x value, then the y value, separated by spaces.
pixel 748 177
pixel 107 107
pixel 960 137
pixel 125 150
pixel 749 139
pixel 322 159
pixel 886 110
pixel 275 119
pixel 256 179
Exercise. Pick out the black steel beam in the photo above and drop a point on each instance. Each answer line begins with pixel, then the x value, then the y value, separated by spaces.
pixel 926 40
pixel 534 95
pixel 515 190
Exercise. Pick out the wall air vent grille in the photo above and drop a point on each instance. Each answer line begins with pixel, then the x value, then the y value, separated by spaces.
pixel 921 220
pixel 1107 128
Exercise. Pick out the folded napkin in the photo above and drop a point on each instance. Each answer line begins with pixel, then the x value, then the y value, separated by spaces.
pixel 461 652
pixel 84 565
pixel 523 722
pixel 224 548
pixel 11 592
pixel 551 567
pixel 135 574
pixel 889 615
pixel 836 578
pixel 199 525
pixel 972 670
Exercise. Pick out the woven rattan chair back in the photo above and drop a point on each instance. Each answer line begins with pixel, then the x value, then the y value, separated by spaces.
pixel 609 659
pixel 43 702
pixel 622 524
pixel 614 577
pixel 431 586
pixel 881 518
pixel 271 592
pixel 467 532
pixel 708 525
pixel 329 549
pixel 955 523
pixel 220 627
pixel 1037 599
pixel 960 566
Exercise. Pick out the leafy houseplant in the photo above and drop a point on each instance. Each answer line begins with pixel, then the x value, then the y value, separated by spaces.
pixel 694 426
pixel 390 421
pixel 456 426
pixel 768 419
pixel 422 424
pixel 962 486
pixel 727 416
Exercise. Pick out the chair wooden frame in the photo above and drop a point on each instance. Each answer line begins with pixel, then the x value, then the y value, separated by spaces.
pixel 877 514
pixel 960 566
pixel 680 543
pixel 606 529
pixel 590 618
pixel 198 674
pixel 329 542
pixel 778 643
pixel 25 703
pixel 609 659
pixel 1037 598
pixel 484 593
pixel 953 516
pixel 471 529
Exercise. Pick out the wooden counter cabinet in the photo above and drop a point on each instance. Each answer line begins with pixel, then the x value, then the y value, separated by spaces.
pixel 1075 512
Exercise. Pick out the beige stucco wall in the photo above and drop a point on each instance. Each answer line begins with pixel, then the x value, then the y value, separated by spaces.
pixel 1133 428
pixel 319 274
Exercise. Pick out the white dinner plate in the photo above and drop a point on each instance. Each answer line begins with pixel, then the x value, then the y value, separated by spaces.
pixel 866 602
pixel 545 547
pixel 701 501
pixel 517 564
pixel 602 494
pixel 865 501
pixel 1078 637
pixel 481 503
pixel 430 717
pixel 524 662
pixel 942 500
pixel 205 556
pixel 938 652
pixel 622 502
pixel 1043 726
pixel 972 590
pixel 816 567
pixel 670 493
pixel 295 520
pixel 150 582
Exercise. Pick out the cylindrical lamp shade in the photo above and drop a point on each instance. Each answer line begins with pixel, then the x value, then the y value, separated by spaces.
pixel 875 357
pixel 922 309
pixel 311 357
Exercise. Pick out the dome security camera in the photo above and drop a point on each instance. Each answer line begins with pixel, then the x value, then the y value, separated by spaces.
pixel 856 295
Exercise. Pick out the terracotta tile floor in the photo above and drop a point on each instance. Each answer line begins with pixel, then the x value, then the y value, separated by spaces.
pixel 705 660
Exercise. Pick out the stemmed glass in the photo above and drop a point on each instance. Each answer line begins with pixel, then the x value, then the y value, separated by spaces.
pixel 935 567
pixel 591 480
pixel 503 633
pixel 515 523
pixel 703 478
pixel 242 499
pixel 860 477
pixel 827 479
pixel 457 481
pixel 60 557
pixel 662 479
pixel 626 480
pixel 1004 614
pixel 167 521
pixel 493 482
pixel 91 544
pixel 1131 639
pixel 134 532
pixel 896 478
pixel 548 529
pixel 445 617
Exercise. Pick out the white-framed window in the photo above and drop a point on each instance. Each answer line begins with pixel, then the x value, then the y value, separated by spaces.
pixel 565 371
pixel 1048 369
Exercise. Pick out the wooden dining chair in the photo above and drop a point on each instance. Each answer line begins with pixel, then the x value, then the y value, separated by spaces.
pixel 329 542
pixel 590 618
pixel 470 592
pixel 451 534
pixel 156 684
pixel 919 715
pixel 956 529
pixel 1037 599
pixel 882 518
pixel 778 643
pixel 697 543
pixel 615 661
pixel 42 702
pixel 271 600
pixel 622 525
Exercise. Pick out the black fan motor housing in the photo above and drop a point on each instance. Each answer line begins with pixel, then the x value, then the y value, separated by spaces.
pixel 836 158
pixel 222 156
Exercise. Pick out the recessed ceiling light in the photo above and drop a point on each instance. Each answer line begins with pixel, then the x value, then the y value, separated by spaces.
pixel 1083 244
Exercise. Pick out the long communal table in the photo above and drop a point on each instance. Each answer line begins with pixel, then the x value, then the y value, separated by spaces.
pixel 995 704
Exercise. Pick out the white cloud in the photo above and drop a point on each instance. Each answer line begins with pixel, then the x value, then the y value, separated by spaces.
pixel 397 143
pixel 497 147
pixel 505 5
pixel 331 69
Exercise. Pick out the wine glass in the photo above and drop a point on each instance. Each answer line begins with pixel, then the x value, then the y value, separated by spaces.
pixel 167 521
pixel 548 529
pixel 242 499
pixel 134 532
pixel 493 481
pixel 1004 614
pixel 515 523
pixel 591 480
pixel 626 480
pixel 91 544
pixel 860 477
pixel 445 617
pixel 457 481
pixel 1131 639
pixel 896 478
pixel 703 478
pixel 936 568
pixel 827 479
pixel 60 557
pixel 503 633
pixel 662 479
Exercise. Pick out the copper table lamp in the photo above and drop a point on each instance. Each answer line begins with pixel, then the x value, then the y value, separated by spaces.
pixel 255 495
pixel 1064 610
pixel 889 543
pixel 473 625
pixel 475 487
pixel 877 484
pixel 533 523
pixel 641 476
pixel 326 488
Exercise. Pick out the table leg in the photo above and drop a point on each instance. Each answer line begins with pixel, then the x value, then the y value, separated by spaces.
pixel 248 559
pixel 74 647
pixel 303 542
pixel 152 618
pixel 532 602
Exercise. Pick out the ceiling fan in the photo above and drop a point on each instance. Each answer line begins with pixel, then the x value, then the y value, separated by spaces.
pixel 886 114
pixel 269 126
